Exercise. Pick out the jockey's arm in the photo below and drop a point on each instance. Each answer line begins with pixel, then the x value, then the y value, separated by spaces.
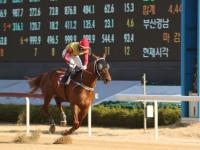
pixel 67 55
pixel 85 62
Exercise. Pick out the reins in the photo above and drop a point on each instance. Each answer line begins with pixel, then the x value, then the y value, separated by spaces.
pixel 95 71
pixel 81 84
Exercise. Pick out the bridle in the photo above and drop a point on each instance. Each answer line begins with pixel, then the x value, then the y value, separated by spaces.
pixel 96 70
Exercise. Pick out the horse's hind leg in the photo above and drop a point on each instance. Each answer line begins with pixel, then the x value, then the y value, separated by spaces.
pixel 63 121
pixel 47 100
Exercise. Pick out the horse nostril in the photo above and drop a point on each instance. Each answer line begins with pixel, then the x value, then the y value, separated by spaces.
pixel 107 80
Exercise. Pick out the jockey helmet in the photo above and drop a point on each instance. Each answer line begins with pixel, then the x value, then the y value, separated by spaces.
pixel 84 43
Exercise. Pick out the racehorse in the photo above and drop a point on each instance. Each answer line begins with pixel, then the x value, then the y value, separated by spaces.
pixel 79 93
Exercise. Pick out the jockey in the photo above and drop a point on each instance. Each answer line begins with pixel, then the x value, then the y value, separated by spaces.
pixel 71 56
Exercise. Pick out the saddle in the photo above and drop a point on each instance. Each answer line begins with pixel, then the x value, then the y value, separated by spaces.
pixel 67 74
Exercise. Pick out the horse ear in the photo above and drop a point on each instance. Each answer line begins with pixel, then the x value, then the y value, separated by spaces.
pixel 104 55
pixel 94 56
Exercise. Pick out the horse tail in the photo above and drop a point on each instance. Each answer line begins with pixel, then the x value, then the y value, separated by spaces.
pixel 34 83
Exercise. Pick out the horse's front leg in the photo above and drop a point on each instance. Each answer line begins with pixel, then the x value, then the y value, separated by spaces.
pixel 78 118
pixel 74 110
pixel 82 114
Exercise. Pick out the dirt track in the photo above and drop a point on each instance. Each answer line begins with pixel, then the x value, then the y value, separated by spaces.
pixel 170 138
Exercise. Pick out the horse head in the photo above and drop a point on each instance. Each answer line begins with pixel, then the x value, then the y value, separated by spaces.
pixel 100 68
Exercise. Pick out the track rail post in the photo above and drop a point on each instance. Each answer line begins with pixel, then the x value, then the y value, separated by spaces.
pixel 90 121
pixel 27 115
pixel 156 119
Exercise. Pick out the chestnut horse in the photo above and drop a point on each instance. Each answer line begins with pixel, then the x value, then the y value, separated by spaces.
pixel 79 93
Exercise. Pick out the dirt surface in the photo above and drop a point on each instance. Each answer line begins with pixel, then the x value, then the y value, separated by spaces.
pixel 170 138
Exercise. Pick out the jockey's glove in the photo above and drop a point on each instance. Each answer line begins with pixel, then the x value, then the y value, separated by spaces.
pixel 84 67
pixel 72 61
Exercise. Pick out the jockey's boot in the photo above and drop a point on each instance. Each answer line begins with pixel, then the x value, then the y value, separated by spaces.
pixel 68 80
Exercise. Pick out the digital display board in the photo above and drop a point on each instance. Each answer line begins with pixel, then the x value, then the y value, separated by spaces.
pixel 128 30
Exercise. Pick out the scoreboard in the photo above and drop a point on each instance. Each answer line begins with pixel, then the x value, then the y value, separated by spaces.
pixel 128 30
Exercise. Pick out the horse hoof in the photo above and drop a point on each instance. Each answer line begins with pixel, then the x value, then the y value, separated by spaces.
pixel 52 128
pixel 66 132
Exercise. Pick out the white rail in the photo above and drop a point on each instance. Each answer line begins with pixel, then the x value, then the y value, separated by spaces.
pixel 155 99
pixel 119 97
pixel 27 115
pixel 163 98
